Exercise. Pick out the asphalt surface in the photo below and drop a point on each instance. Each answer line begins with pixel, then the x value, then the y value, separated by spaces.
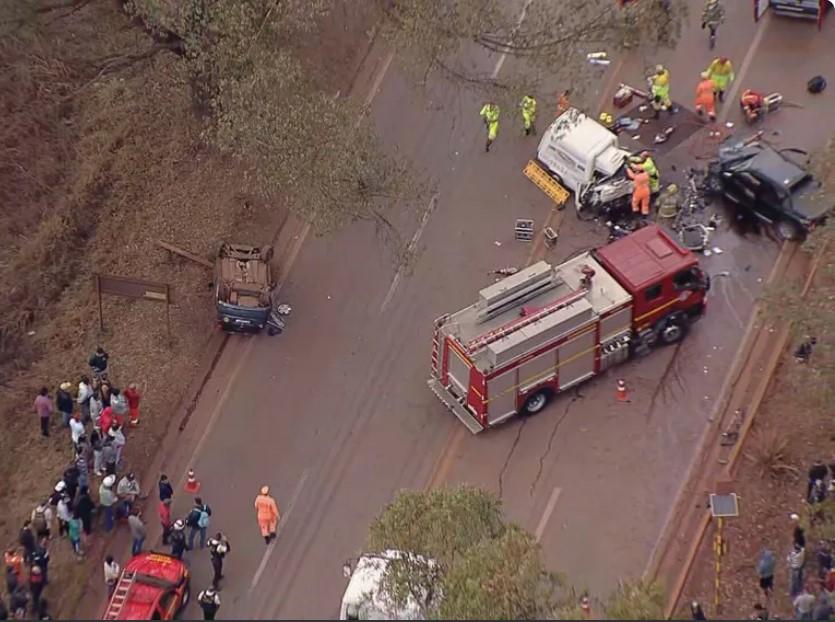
pixel 335 414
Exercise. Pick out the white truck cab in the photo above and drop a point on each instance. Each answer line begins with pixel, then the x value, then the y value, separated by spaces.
pixel 581 153
pixel 365 597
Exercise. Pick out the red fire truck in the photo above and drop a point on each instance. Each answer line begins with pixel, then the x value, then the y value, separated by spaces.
pixel 545 329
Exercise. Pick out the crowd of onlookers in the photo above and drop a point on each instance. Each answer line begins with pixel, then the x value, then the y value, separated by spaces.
pixel 94 418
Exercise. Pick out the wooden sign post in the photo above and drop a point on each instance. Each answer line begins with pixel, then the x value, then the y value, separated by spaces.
pixel 136 289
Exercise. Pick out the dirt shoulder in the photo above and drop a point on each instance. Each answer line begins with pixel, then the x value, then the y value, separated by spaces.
pixel 102 157
pixel 788 434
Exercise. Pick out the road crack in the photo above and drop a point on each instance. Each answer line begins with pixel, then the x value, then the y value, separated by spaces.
pixel 661 388
pixel 510 455
pixel 577 396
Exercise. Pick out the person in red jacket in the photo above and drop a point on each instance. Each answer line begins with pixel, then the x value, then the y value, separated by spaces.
pixel 164 510
pixel 133 397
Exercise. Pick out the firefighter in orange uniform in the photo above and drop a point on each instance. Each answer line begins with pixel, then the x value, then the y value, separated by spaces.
pixel 266 511
pixel 706 96
pixel 752 104
pixel 640 195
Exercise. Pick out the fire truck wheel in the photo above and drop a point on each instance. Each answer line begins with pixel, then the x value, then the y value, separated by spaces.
pixel 536 402
pixel 672 331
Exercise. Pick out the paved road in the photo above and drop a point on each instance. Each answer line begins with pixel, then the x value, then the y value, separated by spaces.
pixel 335 415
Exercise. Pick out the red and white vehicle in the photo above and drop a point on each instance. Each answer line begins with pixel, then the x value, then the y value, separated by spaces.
pixel 153 586
pixel 546 329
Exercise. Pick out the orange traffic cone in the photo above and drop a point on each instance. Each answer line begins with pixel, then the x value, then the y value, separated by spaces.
pixel 622 393
pixel 192 485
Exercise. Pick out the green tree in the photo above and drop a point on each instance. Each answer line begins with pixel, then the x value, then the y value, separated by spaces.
pixel 298 143
pixel 552 38
pixel 463 549
pixel 478 566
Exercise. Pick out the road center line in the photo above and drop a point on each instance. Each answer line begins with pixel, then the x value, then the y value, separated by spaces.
pixel 410 250
pixel 284 518
pixel 549 509
pixel 503 56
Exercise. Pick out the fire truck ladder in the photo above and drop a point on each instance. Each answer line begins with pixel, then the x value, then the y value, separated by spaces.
pixel 501 331
pixel 120 596
pixel 546 183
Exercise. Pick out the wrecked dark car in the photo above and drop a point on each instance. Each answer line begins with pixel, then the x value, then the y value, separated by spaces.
pixel 770 185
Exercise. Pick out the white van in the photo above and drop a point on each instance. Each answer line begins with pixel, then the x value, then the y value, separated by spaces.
pixel 366 599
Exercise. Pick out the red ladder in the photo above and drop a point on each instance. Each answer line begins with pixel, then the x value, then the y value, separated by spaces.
pixel 120 596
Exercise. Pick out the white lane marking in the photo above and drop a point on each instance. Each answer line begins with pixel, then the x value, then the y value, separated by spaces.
pixel 410 249
pixel 549 509
pixel 288 264
pixel 503 56
pixel 284 517
pixel 731 95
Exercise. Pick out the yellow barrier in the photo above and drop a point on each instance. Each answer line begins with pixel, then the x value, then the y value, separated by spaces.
pixel 546 183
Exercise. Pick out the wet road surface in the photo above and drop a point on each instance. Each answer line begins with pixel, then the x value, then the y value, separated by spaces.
pixel 335 414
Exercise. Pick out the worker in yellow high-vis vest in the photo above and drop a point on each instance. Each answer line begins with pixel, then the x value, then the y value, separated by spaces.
pixel 490 114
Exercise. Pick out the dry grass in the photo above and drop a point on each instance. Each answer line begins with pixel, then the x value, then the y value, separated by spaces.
pixel 767 453
pixel 101 156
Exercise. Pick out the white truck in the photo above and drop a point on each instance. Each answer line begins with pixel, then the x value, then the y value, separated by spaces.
pixel 365 596
pixel 585 157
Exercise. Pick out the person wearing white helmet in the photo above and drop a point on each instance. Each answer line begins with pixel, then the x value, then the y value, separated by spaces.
pixel 178 538
pixel 209 601
pixel 107 499
pixel 218 548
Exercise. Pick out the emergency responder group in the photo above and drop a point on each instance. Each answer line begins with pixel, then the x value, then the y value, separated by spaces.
pixel 641 169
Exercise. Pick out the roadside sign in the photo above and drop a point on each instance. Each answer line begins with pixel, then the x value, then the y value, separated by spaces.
pixel 133 288
pixel 724 506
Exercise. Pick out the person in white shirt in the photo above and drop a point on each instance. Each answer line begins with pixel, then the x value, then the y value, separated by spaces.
pixel 85 392
pixel 62 510
pixel 76 428
pixel 111 573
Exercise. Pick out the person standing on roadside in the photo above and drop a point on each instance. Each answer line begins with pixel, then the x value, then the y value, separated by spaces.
pixel 84 507
pixel 96 407
pixel 164 511
pixel 107 499
pixel 218 548
pixel 209 601
pixel 98 363
pixel 198 521
pixel 26 539
pixel 765 570
pixel 166 491
pixel 76 429
pixel 44 409
pixel 119 405
pixel 696 611
pixel 266 512
pixel 41 558
pixel 804 603
pixel 85 393
pixel 111 574
pixel 138 531
pixel 127 490
pixel 74 532
pixel 796 560
pixel 178 539
pixel 799 534
pixel 64 402
pixel 36 587
pixel 42 519
pixel 133 397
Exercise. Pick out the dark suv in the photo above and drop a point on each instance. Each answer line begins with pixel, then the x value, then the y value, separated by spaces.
pixel 765 182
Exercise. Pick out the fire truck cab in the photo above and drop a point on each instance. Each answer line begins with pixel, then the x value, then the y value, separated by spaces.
pixel 548 328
